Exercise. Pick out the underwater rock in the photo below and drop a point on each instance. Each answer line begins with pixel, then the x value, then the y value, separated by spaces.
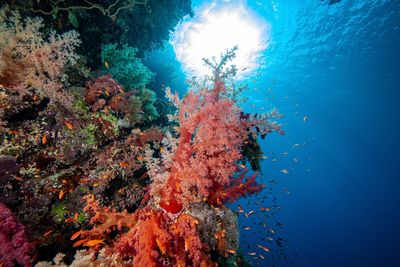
pixel 8 165
pixel 218 227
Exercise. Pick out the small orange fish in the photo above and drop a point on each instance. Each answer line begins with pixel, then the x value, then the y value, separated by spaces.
pixel 79 243
pixel 94 242
pixel 251 253
pixel 35 98
pixel 285 171
pixel 48 233
pixel 69 220
pixel 76 216
pixel 95 184
pixel 261 256
pixel 84 181
pixel 263 248
pixel 107 93
pixel 13 132
pixel 231 251
pixel 247 228
pixel 242 166
pixel 76 235
pixel 60 195
pixel 106 64
pixel 18 178
pixel 69 125
pixel 124 164
pixel 44 139
pixel 140 158
pixel 122 190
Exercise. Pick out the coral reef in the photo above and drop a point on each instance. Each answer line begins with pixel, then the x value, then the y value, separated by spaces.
pixel 101 171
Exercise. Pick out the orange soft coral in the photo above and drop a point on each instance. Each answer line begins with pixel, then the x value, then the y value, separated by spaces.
pixel 153 238
pixel 104 221
pixel 147 240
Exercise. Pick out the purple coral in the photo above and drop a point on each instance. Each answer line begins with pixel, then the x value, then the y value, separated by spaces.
pixel 14 246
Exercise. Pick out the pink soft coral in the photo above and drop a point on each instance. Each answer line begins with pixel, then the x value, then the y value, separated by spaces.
pixel 31 59
pixel 14 246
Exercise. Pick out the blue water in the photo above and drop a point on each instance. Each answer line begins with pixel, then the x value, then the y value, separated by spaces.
pixel 339 203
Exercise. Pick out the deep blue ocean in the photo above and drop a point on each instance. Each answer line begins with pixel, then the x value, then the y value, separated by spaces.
pixel 332 196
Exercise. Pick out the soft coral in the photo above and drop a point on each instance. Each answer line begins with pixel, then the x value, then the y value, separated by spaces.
pixel 30 59
pixel 211 135
pixel 14 246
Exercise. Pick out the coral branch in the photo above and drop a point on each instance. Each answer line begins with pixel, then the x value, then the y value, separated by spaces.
pixel 239 187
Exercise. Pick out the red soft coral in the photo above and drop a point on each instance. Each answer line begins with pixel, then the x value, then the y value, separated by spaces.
pixel 211 135
pixel 239 187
